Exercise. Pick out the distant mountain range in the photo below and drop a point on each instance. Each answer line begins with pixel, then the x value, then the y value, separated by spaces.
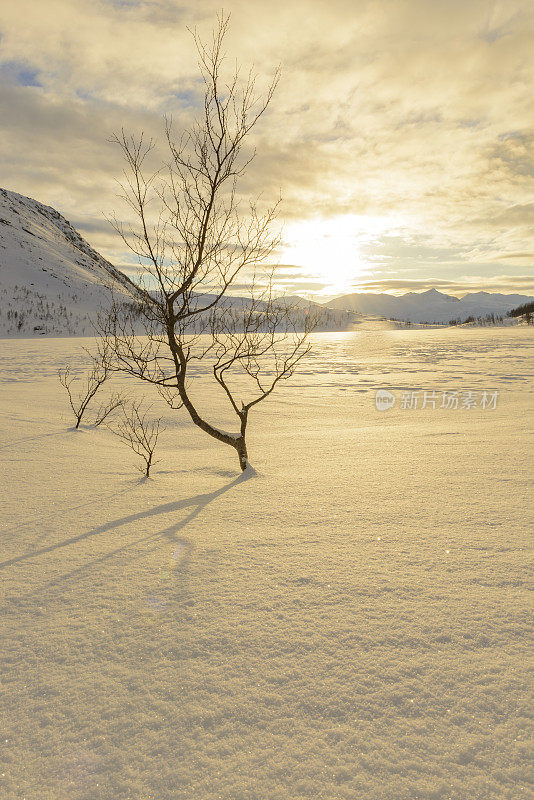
pixel 430 306
pixel 52 282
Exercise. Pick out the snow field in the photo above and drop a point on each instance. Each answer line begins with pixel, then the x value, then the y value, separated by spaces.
pixel 350 623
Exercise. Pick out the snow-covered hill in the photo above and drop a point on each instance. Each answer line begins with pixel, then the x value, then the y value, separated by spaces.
pixel 51 281
pixel 430 306
pixel 300 310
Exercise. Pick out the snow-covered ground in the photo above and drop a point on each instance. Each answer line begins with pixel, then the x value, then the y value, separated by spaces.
pixel 349 624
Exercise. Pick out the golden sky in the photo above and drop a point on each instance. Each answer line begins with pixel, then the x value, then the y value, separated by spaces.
pixel 400 134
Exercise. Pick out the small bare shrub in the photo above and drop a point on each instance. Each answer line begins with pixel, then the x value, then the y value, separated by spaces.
pixel 80 400
pixel 139 432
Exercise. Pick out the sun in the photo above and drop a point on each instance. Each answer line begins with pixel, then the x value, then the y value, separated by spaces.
pixel 327 249
pixel 336 251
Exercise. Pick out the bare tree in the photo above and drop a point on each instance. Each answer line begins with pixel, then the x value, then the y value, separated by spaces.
pixel 199 243
pixel 79 401
pixel 139 432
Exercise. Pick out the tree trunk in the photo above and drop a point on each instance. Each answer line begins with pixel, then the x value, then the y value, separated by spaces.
pixel 241 448
pixel 241 445
pixel 181 368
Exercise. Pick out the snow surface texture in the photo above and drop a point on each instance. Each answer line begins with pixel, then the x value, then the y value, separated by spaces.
pixel 349 624
pixel 51 281
pixel 431 306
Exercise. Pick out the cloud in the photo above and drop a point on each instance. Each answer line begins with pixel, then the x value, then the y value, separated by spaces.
pixel 412 109
pixel 516 257
pixel 522 284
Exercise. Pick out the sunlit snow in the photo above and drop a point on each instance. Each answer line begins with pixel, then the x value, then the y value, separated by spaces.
pixel 348 623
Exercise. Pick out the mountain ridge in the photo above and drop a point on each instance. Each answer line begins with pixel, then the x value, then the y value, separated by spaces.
pixel 429 306
pixel 52 282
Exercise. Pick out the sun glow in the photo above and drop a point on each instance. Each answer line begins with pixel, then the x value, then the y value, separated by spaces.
pixel 330 250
